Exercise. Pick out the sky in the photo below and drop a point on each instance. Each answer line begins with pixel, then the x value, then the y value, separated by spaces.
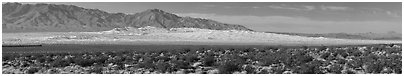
pixel 299 17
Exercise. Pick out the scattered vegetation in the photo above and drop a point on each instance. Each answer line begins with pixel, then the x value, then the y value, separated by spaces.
pixel 379 59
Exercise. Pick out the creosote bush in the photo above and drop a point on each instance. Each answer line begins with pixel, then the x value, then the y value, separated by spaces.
pixel 274 60
pixel 229 68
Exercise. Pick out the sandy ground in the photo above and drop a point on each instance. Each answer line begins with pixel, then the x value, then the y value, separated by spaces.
pixel 184 36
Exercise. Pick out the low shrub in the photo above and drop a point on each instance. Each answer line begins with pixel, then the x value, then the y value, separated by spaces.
pixel 32 70
pixel 60 63
pixel 97 70
pixel 228 68
pixel 83 62
pixel 209 61
pixel 250 69
pixel 163 67
pixel 336 69
pixel 180 64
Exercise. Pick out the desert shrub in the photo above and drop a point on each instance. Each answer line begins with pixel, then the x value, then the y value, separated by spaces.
pixel 289 62
pixel 117 59
pixel 305 69
pixel 331 57
pixel 341 61
pixel 237 59
pixel 375 68
pixel 271 48
pixel 83 62
pixel 393 51
pixel 252 56
pixel 32 57
pixel 191 58
pixel 145 65
pixel 278 70
pixel 264 71
pixel 301 59
pixel 305 47
pixel 137 57
pixel 350 72
pixel 7 57
pixel 228 68
pixel 101 59
pixel 356 63
pixel 120 65
pixel 186 50
pixel 395 64
pixel 60 63
pixel 325 55
pixel 209 61
pixel 370 58
pixel 41 59
pixel 148 64
pixel 248 50
pixel 322 48
pixel 250 69
pixel 343 53
pixel 387 71
pixel 97 70
pixel 25 64
pixel 163 58
pixel 312 67
pixel 317 64
pixel 32 70
pixel 269 60
pixel 96 53
pixel 110 53
pixel 397 70
pixel 356 53
pixel 336 69
pixel 295 59
pixel 163 67
pixel 180 64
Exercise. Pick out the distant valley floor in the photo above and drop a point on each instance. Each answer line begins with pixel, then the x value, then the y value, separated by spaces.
pixel 178 38
pixel 366 36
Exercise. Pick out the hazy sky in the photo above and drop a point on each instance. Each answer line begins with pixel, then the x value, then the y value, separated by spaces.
pixel 306 17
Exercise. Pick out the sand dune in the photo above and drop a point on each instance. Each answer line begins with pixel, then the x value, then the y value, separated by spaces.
pixel 175 35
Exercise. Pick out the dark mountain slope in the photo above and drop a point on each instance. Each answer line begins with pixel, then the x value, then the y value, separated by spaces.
pixel 19 17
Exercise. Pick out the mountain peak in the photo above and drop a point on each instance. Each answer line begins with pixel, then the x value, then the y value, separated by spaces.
pixel 56 18
pixel 12 3
pixel 155 10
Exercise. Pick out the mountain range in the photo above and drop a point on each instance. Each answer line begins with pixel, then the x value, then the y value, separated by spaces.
pixel 19 17
pixel 41 17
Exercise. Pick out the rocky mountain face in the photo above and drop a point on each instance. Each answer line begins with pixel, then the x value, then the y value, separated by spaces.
pixel 19 17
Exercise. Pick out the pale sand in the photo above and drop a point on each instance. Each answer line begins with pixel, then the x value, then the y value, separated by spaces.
pixel 181 36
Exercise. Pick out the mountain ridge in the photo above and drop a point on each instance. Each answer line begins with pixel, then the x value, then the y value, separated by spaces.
pixel 19 17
